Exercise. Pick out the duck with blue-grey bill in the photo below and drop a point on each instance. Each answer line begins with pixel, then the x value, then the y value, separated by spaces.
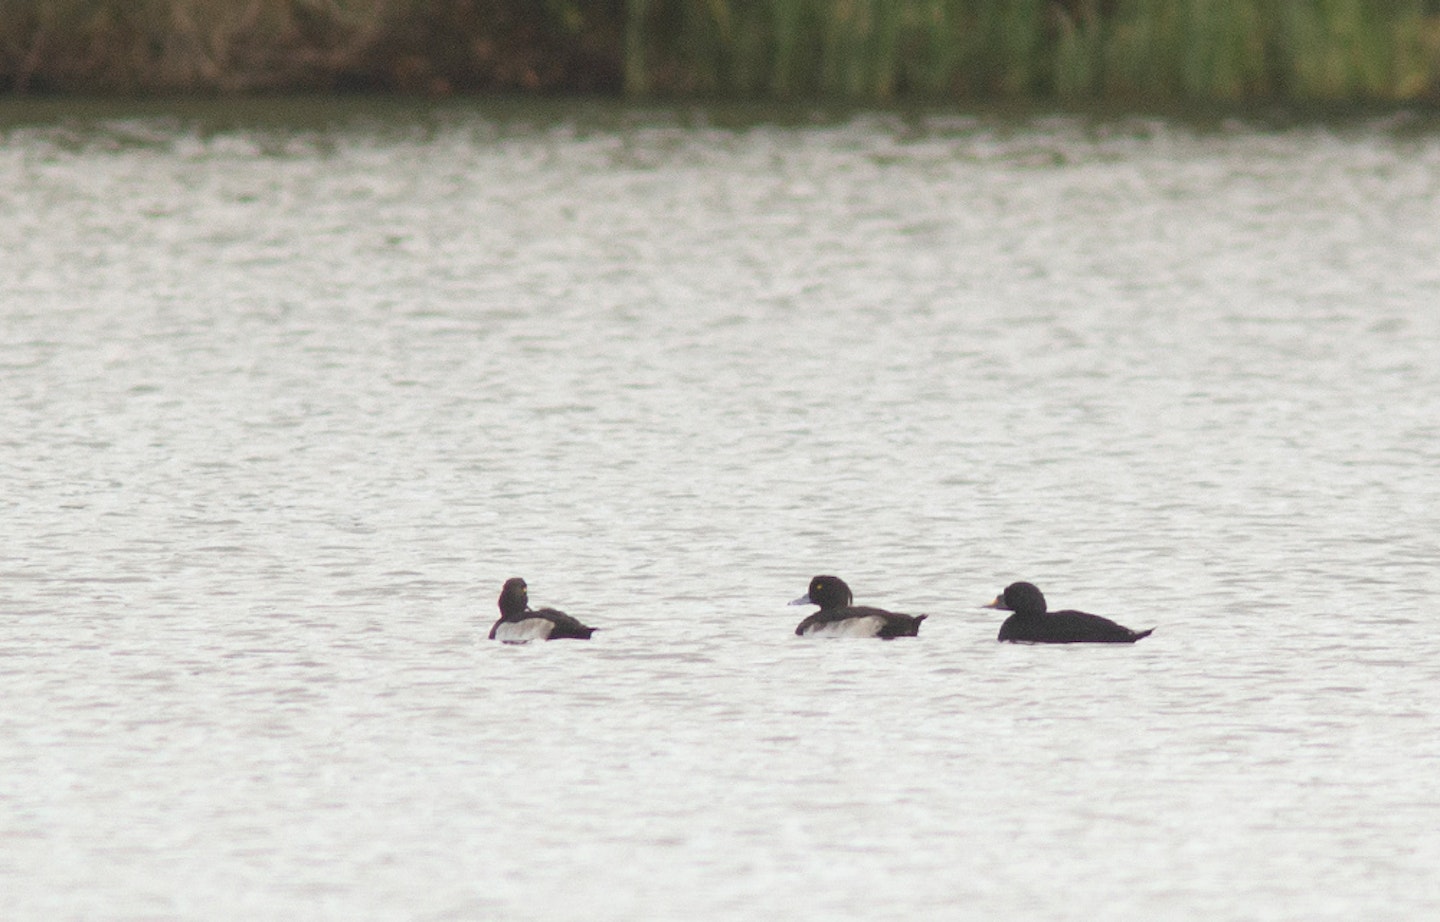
pixel 837 617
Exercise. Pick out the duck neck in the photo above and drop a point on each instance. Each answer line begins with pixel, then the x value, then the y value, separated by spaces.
pixel 512 608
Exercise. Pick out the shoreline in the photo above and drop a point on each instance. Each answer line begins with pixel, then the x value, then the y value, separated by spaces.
pixel 1113 52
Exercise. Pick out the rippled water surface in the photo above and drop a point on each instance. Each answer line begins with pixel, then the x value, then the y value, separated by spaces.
pixel 287 398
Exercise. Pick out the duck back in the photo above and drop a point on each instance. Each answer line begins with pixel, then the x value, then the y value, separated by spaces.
pixel 860 621
pixel 1067 627
pixel 565 627
pixel 545 624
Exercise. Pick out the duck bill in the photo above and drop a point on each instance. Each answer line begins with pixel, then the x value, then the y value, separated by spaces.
pixel 998 604
pixel 803 600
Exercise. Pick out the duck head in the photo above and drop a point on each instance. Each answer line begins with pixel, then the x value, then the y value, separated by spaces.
pixel 1021 598
pixel 827 592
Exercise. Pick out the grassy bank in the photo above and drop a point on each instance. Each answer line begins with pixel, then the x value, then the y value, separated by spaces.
pixel 862 50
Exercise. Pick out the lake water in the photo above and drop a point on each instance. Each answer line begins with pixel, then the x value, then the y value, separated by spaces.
pixel 288 393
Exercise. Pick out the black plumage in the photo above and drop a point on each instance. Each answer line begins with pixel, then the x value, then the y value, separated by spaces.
pixel 520 623
pixel 1031 623
pixel 837 616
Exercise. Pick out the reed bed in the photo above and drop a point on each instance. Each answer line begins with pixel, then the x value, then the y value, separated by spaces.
pixel 857 50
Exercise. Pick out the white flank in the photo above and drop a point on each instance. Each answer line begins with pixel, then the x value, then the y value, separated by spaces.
pixel 867 626
pixel 525 630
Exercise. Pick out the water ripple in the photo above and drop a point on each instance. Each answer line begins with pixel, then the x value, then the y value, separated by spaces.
pixel 289 404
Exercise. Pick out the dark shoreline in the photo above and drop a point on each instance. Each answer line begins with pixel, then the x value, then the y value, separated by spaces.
pixel 1114 52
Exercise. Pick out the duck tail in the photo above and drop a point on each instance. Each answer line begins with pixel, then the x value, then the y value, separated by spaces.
pixel 1144 633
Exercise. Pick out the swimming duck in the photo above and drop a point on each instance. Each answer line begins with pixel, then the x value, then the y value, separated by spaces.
pixel 518 624
pixel 1031 624
pixel 838 618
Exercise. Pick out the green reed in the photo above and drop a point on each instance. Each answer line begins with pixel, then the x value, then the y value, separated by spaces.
pixel 1160 50
pixel 860 50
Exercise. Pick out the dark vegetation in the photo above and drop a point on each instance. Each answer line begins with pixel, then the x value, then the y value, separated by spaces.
pixel 858 50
